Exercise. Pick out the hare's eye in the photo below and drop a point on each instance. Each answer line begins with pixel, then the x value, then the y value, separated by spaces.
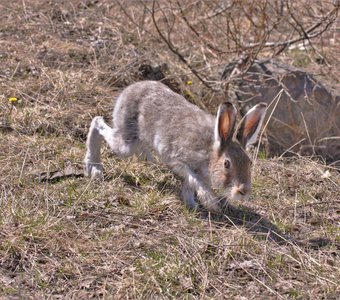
pixel 227 163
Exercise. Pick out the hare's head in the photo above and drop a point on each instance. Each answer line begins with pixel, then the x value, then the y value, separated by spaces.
pixel 230 166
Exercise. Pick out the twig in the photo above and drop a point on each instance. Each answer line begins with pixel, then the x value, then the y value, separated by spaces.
pixel 277 98
pixel 306 35
pixel 173 49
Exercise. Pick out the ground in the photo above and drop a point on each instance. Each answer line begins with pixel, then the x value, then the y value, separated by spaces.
pixel 64 236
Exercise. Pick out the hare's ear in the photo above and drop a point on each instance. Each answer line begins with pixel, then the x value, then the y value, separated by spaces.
pixel 225 123
pixel 250 125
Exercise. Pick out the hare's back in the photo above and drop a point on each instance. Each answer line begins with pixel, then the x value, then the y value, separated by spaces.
pixel 163 120
pixel 152 102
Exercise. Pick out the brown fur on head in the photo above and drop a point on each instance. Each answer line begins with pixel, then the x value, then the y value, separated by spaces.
pixel 229 164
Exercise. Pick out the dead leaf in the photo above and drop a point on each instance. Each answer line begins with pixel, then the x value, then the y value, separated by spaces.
pixel 54 176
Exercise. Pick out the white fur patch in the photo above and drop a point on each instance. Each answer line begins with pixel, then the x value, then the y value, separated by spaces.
pixel 235 195
pixel 158 145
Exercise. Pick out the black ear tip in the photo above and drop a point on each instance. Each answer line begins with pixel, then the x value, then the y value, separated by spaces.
pixel 227 105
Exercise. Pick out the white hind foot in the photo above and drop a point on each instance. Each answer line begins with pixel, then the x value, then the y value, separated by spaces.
pixel 93 170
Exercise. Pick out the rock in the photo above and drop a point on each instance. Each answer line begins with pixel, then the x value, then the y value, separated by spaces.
pixel 306 119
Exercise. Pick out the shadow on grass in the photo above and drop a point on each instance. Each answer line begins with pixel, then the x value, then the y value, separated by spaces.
pixel 255 223
pixel 259 226
pixel 232 215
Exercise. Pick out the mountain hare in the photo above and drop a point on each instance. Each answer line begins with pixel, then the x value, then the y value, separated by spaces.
pixel 203 149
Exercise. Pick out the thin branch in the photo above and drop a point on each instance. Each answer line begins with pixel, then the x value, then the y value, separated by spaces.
pixel 307 34
pixel 122 7
pixel 173 49
pixel 192 28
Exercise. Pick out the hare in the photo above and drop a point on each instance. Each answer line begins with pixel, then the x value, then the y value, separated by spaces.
pixel 206 151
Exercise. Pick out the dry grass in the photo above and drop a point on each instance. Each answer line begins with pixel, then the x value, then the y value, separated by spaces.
pixel 129 237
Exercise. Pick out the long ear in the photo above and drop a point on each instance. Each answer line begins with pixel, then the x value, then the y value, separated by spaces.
pixel 225 123
pixel 250 125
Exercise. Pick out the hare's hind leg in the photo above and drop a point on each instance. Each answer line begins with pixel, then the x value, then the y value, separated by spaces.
pixel 93 165
pixel 98 132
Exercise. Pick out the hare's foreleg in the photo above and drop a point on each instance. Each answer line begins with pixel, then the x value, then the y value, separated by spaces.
pixel 188 196
pixel 193 183
pixel 98 132
pixel 143 153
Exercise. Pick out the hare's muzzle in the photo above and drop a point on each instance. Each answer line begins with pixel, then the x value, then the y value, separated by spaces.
pixel 241 192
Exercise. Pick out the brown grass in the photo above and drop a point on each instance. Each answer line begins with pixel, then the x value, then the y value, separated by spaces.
pixel 130 237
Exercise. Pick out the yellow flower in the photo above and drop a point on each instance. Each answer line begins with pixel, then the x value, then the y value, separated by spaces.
pixel 12 100
pixel 189 82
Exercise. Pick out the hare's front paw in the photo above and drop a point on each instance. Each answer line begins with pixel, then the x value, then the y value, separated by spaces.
pixel 189 197
pixel 94 170
pixel 209 201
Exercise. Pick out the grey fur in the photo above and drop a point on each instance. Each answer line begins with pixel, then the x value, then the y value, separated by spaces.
pixel 148 117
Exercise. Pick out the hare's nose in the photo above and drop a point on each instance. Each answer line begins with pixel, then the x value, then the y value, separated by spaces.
pixel 242 192
pixel 244 189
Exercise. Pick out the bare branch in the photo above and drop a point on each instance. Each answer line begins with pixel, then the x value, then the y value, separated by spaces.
pixel 306 35
pixel 173 49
